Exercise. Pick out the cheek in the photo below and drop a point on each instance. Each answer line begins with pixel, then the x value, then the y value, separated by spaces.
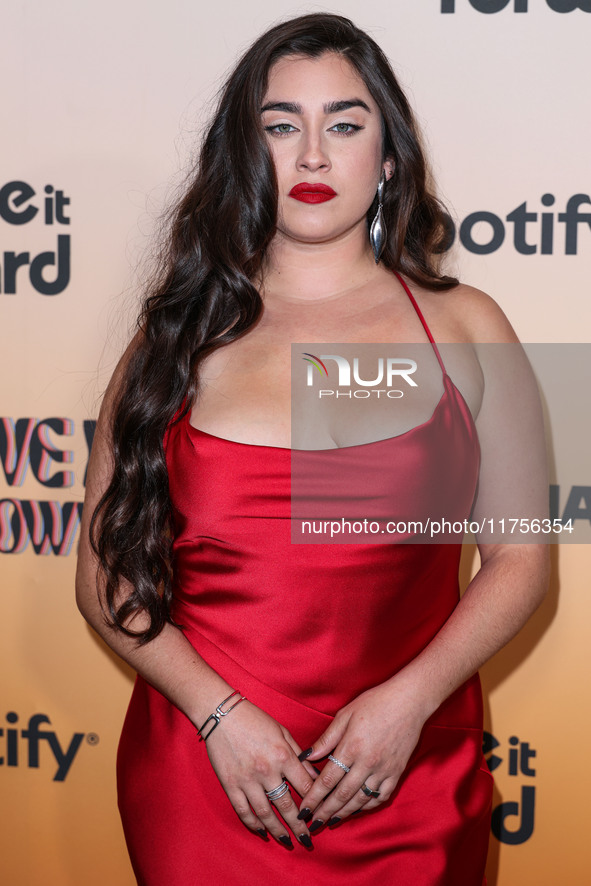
pixel 283 172
pixel 365 184
pixel 274 154
pixel 364 170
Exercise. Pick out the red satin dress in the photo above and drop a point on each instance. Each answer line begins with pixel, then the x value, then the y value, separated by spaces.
pixel 301 630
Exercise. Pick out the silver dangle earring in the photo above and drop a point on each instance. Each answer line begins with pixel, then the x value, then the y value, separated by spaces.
pixel 378 232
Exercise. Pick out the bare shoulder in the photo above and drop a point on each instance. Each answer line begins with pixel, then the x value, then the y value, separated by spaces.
pixel 480 315
pixel 101 461
pixel 117 381
pixel 466 314
pixel 101 453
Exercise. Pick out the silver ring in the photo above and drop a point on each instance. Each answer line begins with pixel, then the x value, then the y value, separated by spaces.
pixel 368 791
pixel 338 763
pixel 278 792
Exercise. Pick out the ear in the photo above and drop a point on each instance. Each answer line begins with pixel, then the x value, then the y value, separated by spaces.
pixel 389 166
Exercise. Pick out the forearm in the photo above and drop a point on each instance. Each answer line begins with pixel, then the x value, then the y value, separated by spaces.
pixel 499 600
pixel 168 662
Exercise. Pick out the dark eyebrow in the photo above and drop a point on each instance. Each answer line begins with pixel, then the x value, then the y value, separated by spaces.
pixel 337 107
pixel 329 108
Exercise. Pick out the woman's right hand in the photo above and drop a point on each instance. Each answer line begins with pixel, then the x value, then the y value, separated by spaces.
pixel 252 753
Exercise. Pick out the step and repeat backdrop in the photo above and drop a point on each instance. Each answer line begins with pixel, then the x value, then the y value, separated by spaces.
pixel 102 110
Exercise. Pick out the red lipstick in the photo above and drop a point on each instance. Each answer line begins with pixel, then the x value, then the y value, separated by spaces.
pixel 308 193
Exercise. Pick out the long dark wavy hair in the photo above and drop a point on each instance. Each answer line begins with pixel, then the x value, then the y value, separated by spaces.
pixel 202 294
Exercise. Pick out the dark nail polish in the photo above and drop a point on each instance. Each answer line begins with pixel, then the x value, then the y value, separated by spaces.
pixel 357 811
pixel 305 841
pixel 304 755
pixel 305 814
pixel 315 825
pixel 315 768
pixel 286 841
pixel 263 834
pixel 334 821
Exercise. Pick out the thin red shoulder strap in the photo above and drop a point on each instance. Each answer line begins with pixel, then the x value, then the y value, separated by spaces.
pixel 423 321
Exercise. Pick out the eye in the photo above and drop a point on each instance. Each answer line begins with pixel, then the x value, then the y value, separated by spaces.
pixel 345 128
pixel 280 129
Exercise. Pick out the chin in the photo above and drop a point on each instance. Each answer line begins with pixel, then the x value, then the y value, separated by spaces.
pixel 311 233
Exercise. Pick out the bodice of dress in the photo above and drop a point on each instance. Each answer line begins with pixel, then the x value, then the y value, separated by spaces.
pixel 321 622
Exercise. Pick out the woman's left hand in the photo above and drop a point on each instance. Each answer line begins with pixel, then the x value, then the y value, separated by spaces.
pixel 374 736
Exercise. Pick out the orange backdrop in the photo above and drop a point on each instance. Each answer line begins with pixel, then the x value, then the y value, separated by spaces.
pixel 101 110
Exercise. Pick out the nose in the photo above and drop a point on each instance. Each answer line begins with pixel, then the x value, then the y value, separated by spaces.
pixel 313 155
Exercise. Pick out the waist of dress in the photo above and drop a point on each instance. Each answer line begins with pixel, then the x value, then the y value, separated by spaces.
pixel 319 620
pixel 315 694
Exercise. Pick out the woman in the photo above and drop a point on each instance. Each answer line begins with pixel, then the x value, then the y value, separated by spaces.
pixel 361 651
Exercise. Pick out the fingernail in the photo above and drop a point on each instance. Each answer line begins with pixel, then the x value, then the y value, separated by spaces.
pixel 357 811
pixel 315 825
pixel 305 841
pixel 263 834
pixel 315 768
pixel 333 822
pixel 305 814
pixel 286 841
pixel 304 755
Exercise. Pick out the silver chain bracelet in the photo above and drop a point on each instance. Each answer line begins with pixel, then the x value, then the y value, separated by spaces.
pixel 219 713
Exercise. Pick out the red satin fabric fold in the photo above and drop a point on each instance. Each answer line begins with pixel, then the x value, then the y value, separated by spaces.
pixel 302 629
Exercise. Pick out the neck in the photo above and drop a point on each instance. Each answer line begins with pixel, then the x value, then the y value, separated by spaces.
pixel 298 271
